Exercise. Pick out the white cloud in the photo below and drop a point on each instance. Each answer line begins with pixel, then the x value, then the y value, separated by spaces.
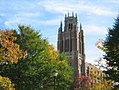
pixel 112 1
pixel 14 22
pixel 99 11
pixel 81 6
pixel 50 22
pixel 27 14
pixel 94 29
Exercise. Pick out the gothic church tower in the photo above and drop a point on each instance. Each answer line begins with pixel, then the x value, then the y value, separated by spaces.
pixel 71 42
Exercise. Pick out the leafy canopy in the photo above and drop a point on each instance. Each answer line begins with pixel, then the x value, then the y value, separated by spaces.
pixel 35 71
pixel 9 54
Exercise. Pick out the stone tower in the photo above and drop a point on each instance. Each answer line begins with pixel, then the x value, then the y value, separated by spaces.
pixel 71 42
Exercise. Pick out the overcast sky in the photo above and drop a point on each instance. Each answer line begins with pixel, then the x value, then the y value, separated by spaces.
pixel 96 16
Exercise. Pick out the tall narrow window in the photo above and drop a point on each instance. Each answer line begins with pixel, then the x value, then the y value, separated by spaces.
pixel 70 44
pixel 66 45
pixel 71 26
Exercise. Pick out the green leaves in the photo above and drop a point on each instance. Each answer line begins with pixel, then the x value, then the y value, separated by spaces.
pixel 35 71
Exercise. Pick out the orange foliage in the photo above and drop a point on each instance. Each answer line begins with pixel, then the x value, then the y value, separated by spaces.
pixel 9 51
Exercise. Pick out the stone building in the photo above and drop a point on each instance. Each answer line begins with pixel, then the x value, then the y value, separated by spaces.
pixel 71 42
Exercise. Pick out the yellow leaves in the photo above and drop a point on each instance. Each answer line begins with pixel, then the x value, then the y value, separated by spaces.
pixel 5 84
pixel 52 53
pixel 53 56
pixel 61 62
pixel 108 84
pixel 99 45
pixel 99 82
pixel 104 85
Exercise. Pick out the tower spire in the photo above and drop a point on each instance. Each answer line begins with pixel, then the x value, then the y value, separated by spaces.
pixel 60 28
pixel 65 15
pixel 72 14
pixel 61 24
pixel 68 14
pixel 80 26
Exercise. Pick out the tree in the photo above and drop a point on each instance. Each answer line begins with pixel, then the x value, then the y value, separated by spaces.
pixel 65 72
pixel 9 54
pixel 35 71
pixel 111 44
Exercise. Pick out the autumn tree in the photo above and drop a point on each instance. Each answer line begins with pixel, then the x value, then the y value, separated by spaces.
pixel 98 80
pixel 9 54
pixel 35 71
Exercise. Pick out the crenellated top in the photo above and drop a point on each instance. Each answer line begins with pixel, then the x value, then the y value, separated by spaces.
pixel 67 16
pixel 70 24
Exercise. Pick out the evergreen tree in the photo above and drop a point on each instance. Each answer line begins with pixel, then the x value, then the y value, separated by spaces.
pixel 112 51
